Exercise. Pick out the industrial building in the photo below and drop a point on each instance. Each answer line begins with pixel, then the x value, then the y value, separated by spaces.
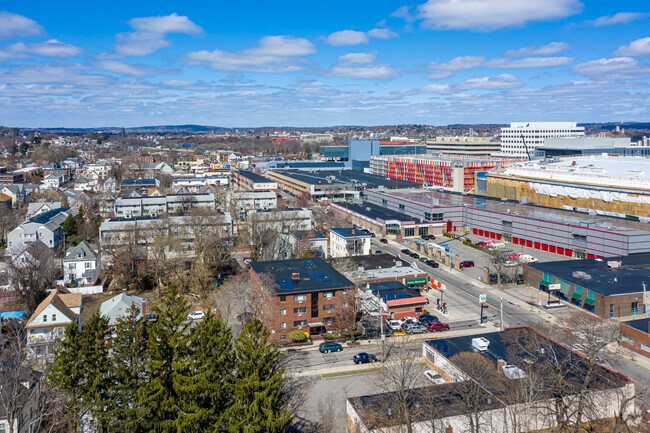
pixel 581 146
pixel 463 146
pixel 557 231
pixel 602 185
pixel 332 185
pixel 522 138
pixel 611 287
pixel 356 154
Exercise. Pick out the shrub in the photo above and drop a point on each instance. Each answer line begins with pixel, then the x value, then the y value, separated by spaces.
pixel 328 336
pixel 298 336
pixel 447 234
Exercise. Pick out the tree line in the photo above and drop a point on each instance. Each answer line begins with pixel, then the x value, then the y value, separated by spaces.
pixel 170 375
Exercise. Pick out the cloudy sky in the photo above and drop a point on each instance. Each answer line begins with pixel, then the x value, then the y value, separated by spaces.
pixel 320 63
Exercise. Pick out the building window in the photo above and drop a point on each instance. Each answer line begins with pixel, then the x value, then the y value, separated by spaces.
pixel 329 320
pixel 408 232
pixel 328 295
pixel 344 305
pixel 283 299
pixel 54 318
pixel 627 339
pixel 44 318
pixel 635 308
pixel 344 292
pixel 579 237
pixel 401 206
pixel 283 337
pixel 328 307
pixel 507 223
pixel 611 310
pixel 645 347
pixel 299 323
pixel 283 325
pixel 300 310
pixel 299 298
pixel 384 201
pixel 283 312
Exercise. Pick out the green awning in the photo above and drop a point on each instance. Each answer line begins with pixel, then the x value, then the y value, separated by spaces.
pixel 577 296
pixel 590 301
pixel 416 280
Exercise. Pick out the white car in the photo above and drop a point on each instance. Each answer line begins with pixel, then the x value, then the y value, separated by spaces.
pixel 434 377
pixel 510 263
pixel 197 315
pixel 393 325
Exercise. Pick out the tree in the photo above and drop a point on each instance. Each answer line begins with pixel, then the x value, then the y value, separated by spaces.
pixel 307 152
pixel 31 273
pixel 24 147
pixel 70 226
pixel 258 386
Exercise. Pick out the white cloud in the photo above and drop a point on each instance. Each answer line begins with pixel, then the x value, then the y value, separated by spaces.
pixel 484 15
pixel 613 68
pixel 638 48
pixel 544 50
pixel 529 62
pixel 382 33
pixel 438 75
pixel 435 88
pixel 503 81
pixel 272 54
pixel 403 13
pixel 347 37
pixel 150 32
pixel 51 48
pixel 619 18
pixel 463 63
pixel 360 66
pixel 12 25
pixel 130 69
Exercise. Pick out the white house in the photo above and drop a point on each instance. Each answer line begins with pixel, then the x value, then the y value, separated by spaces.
pixel 82 264
pixel 38 208
pixel 53 181
pixel 50 319
pixel 345 242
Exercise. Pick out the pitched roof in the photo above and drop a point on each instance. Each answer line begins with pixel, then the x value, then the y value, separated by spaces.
pixel 57 300
pixel 4 197
pixel 83 248
pixel 118 306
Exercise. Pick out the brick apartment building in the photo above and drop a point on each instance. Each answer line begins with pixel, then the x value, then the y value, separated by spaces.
pixel 11 178
pixel 306 294
pixel 635 335
pixel 242 180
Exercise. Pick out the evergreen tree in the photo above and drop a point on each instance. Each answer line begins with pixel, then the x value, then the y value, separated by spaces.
pixel 258 384
pixel 167 349
pixel 70 226
pixel 127 369
pixel 205 379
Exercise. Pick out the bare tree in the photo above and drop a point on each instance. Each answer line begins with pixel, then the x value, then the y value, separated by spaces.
pixel 32 271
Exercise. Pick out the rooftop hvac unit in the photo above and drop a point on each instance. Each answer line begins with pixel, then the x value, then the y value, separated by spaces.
pixel 513 372
pixel 481 344
pixel 614 264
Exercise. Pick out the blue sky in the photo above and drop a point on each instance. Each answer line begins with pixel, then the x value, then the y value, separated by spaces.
pixel 321 63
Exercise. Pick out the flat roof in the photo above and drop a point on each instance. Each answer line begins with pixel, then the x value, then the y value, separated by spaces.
pixel 391 290
pixel 315 275
pixel 375 212
pixel 348 232
pixel 369 262
pixel 642 325
pixel 634 270
pixel 257 178
pixel 342 177
pixel 447 199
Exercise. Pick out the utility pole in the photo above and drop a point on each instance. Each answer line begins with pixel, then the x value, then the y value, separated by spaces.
pixel 383 337
pixel 501 311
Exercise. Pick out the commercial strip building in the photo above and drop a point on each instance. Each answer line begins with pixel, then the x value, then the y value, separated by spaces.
pixel 463 146
pixel 522 138
pixel 557 231
pixel 611 287
pixel 243 180
pixel 603 185
pixel 377 268
pixel 500 401
pixel 332 185
pixel 133 207
pixel 304 294
pixel 393 299
pixel 454 173
pixel 345 242
pixel 635 336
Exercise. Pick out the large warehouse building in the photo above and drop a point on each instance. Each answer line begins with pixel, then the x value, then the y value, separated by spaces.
pixel 557 231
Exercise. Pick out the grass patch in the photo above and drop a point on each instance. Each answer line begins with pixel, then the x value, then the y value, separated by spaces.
pixel 350 373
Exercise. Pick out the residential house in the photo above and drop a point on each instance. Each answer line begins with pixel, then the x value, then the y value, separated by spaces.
pixel 53 181
pixel 40 207
pixel 46 227
pixel 50 319
pixel 119 306
pixel 110 185
pixel 301 240
pixel 81 264
pixel 5 200
pixel 35 253
pixel 142 186
pixel 345 242
pixel 86 182
pixel 15 191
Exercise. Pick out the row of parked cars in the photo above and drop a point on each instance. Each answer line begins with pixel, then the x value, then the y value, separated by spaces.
pixel 412 325
pixel 423 259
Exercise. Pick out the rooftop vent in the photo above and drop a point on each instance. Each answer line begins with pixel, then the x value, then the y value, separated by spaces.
pixel 295 277
pixel 481 344
pixel 513 372
pixel 614 264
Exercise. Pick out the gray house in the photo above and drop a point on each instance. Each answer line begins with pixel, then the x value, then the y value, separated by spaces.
pixel 40 207
pixel 46 227
pixel 119 306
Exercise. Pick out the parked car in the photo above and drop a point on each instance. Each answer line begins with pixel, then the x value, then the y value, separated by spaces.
pixel 379 252
pixel 510 264
pixel 329 347
pixel 519 279
pixel 412 328
pixel 427 317
pixel 493 278
pixel 423 259
pixel 383 240
pixel 394 325
pixel 406 251
pixel 407 319
pixel 197 315
pixel 415 255
pixel 515 256
pixel 432 263
pixel 372 235
pixel 434 377
pixel 481 244
pixel 466 264
pixel 428 237
pixel 437 326
pixel 364 358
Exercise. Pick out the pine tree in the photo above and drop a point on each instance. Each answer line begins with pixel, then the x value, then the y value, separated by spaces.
pixel 167 350
pixel 70 226
pixel 258 385
pixel 205 379
pixel 127 369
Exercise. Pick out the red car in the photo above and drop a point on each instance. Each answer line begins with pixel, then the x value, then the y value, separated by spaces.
pixel 437 326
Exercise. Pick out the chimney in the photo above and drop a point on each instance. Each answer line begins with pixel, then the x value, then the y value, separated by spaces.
pixel 295 277
pixel 500 364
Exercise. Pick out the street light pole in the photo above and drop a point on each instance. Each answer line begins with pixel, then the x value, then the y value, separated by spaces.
pixel 501 311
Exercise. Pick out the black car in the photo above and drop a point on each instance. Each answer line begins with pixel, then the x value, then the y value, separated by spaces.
pixel 432 263
pixel 425 237
pixel 378 251
pixel 406 251
pixel 330 347
pixel 519 279
pixel 494 278
pixel 372 235
pixel 424 259
pixel 415 255
pixel 383 240
pixel 364 358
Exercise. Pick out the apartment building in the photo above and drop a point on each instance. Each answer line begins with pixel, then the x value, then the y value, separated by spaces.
pixel 522 138
pixel 133 207
pixel 304 294
pixel 244 180
pixel 345 242
pixel 463 146
pixel 46 227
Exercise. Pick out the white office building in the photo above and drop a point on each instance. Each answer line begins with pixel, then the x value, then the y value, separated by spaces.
pixel 522 136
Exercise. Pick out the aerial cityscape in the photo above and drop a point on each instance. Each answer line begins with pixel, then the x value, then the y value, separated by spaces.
pixel 324 217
